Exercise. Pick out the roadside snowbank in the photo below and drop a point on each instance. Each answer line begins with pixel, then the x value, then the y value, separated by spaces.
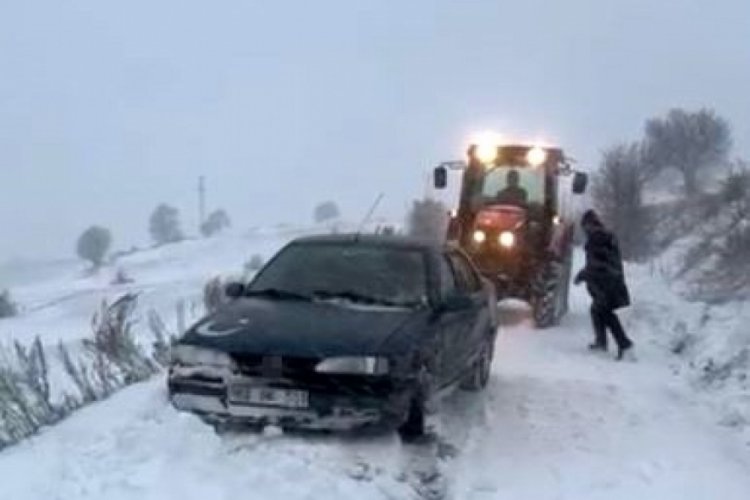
pixel 54 358
pixel 710 343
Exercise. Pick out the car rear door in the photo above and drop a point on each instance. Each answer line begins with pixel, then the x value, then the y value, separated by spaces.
pixel 475 318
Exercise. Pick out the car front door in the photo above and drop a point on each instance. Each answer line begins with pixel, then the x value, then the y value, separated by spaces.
pixel 468 339
pixel 452 325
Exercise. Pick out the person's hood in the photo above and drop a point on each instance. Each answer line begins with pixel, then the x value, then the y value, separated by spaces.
pixel 307 329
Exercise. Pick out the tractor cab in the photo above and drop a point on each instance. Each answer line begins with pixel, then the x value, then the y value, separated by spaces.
pixel 511 219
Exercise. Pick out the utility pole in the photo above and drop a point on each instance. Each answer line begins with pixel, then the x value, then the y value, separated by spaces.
pixel 201 201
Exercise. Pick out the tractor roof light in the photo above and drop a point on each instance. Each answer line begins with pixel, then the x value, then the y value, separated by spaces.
pixel 479 236
pixel 486 153
pixel 486 146
pixel 536 156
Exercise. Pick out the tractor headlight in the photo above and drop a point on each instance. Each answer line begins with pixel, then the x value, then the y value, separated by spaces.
pixel 354 365
pixel 506 239
pixel 190 355
pixel 479 236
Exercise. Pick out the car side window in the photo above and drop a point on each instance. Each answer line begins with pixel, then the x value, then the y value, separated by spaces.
pixel 467 279
pixel 447 279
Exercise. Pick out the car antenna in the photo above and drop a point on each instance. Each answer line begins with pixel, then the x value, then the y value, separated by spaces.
pixel 367 217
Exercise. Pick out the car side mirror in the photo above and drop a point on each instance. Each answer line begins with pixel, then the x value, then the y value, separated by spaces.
pixel 440 177
pixel 580 181
pixel 234 290
pixel 457 302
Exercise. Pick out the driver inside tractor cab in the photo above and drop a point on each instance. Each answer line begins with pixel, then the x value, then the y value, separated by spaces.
pixel 515 185
pixel 512 193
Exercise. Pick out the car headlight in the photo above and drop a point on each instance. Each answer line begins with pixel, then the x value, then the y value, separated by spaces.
pixel 354 365
pixel 190 355
pixel 479 236
pixel 506 239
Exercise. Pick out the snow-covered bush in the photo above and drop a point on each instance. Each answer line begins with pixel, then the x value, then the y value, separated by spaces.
pixel 111 358
pixel 107 361
pixel 113 338
pixel 717 264
pixel 428 219
pixel 164 338
pixel 25 403
pixel 8 308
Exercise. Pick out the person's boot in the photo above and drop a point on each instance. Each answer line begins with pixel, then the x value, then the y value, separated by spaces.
pixel 621 350
pixel 597 346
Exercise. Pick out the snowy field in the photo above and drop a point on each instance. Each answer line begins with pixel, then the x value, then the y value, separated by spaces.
pixel 555 421
pixel 59 304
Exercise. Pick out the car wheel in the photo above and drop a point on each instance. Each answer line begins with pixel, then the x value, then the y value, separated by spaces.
pixel 480 372
pixel 414 425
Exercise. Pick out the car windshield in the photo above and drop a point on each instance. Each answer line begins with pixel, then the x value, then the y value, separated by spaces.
pixel 367 274
pixel 515 185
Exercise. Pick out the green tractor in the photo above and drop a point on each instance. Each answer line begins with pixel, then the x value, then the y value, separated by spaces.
pixel 515 219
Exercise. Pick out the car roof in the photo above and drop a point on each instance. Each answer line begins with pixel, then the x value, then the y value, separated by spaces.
pixel 390 241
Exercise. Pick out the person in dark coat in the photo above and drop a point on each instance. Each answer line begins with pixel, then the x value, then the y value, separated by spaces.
pixel 605 282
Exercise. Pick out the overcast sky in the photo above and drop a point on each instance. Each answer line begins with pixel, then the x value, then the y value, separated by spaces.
pixel 110 107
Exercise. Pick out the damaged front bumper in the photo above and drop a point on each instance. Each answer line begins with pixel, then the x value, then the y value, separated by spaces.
pixel 335 403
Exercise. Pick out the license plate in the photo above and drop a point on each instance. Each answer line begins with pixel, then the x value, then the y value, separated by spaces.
pixel 268 396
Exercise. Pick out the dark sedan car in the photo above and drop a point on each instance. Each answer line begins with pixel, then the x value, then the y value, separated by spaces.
pixel 340 332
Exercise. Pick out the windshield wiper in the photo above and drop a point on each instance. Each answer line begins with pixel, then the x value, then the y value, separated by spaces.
pixel 277 293
pixel 361 298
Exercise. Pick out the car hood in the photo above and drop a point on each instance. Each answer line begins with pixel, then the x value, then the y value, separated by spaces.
pixel 306 329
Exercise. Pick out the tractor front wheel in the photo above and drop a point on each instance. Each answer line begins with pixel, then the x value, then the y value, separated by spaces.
pixel 548 296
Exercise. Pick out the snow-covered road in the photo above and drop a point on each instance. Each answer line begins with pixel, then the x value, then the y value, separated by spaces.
pixel 555 422
pixel 562 423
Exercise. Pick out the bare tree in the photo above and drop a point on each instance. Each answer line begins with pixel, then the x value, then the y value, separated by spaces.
pixel 428 219
pixel 93 245
pixel 689 142
pixel 618 195
pixel 164 225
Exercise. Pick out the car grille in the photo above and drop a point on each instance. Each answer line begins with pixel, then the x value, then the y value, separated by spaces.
pixel 255 365
pixel 301 371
